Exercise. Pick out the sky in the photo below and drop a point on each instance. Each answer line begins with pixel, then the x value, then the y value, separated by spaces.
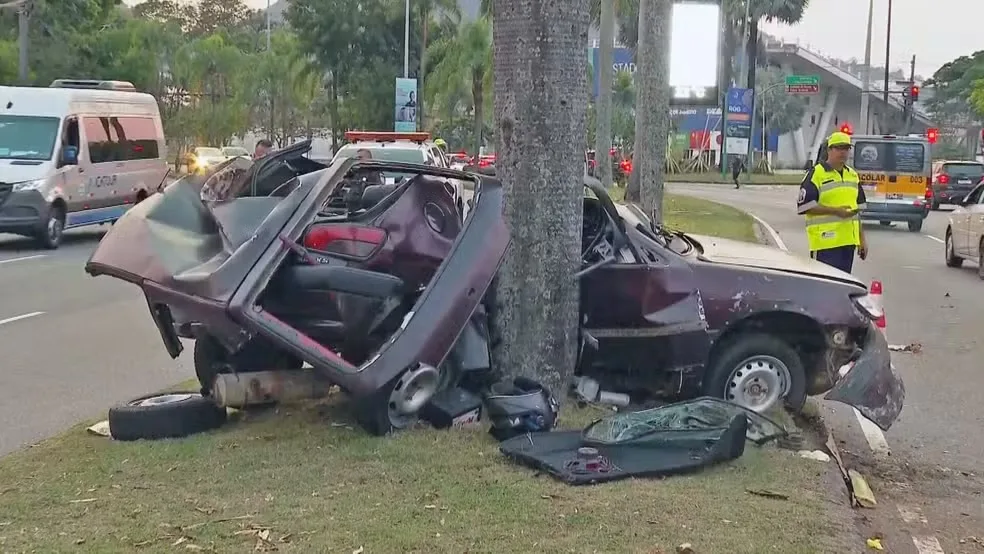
pixel 935 31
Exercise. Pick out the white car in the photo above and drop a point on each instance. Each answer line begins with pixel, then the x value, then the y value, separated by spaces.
pixel 417 148
pixel 234 152
pixel 965 231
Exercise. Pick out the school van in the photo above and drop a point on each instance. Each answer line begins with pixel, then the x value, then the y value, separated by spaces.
pixel 895 173
pixel 76 153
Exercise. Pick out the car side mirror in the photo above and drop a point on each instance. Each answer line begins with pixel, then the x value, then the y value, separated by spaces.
pixel 70 155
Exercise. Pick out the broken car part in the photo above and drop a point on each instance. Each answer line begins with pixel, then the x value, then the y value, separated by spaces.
pixel 454 407
pixel 163 416
pixel 690 416
pixel 394 288
pixel 570 457
pixel 680 315
pixel 258 388
pixel 588 390
pixel 519 406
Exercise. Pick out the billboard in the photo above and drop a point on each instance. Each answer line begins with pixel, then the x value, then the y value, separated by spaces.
pixel 695 52
pixel 623 59
pixel 405 117
pixel 738 119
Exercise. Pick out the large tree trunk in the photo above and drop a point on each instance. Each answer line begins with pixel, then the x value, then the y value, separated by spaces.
pixel 603 107
pixel 540 106
pixel 652 106
pixel 478 101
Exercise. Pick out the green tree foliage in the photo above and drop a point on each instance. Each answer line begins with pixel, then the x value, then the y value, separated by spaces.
pixel 462 76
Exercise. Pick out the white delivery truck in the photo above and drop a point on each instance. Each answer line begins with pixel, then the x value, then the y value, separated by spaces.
pixel 76 153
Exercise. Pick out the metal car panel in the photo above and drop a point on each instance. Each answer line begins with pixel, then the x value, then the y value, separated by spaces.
pixel 872 385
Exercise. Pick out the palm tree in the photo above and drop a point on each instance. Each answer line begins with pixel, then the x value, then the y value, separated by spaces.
pixel 652 107
pixel 427 9
pixel 541 98
pixel 604 12
pixel 463 70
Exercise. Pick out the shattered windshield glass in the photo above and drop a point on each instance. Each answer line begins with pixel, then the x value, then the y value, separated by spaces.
pixel 701 414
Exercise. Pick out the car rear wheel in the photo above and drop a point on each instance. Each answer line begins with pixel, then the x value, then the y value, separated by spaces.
pixel 915 226
pixel 757 371
pixel 980 259
pixel 397 405
pixel 952 260
pixel 935 205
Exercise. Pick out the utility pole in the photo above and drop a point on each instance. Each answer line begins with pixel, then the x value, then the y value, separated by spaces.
pixel 406 41
pixel 23 39
pixel 888 51
pixel 910 102
pixel 866 78
pixel 268 25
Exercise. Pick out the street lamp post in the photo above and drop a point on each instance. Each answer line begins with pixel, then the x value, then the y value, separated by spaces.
pixel 406 41
pixel 866 85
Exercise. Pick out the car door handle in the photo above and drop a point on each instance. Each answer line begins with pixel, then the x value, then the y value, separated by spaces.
pixel 81 170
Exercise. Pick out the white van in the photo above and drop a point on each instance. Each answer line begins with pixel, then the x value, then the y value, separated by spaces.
pixel 76 153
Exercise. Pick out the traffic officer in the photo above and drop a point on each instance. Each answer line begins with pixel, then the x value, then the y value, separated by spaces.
pixel 830 197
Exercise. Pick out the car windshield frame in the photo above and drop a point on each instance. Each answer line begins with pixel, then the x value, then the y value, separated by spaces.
pixel 45 153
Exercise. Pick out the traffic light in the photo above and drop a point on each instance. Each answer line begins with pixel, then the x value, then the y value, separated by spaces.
pixel 932 135
pixel 914 93
pixel 847 129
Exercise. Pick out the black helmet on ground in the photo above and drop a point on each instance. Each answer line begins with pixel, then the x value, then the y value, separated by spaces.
pixel 519 405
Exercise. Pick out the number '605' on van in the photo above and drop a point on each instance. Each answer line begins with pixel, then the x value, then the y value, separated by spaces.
pixel 76 153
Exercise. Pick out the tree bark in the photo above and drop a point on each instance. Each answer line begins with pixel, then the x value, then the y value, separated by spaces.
pixel 652 105
pixel 478 101
pixel 603 107
pixel 540 106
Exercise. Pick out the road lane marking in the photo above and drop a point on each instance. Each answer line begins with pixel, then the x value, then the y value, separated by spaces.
pixel 21 259
pixel 927 545
pixel 876 439
pixel 20 317
pixel 941 241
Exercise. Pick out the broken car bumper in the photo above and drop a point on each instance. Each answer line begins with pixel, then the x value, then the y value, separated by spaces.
pixel 871 384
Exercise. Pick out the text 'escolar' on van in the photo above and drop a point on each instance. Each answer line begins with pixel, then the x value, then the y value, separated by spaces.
pixel 76 153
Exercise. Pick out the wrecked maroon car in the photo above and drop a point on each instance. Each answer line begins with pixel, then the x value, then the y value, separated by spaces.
pixel 665 312
pixel 381 289
pixel 377 286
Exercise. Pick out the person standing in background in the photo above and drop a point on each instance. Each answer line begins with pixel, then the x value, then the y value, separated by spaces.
pixel 263 147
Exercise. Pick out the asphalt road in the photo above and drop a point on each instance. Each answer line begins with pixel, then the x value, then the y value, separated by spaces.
pixel 72 345
pixel 932 468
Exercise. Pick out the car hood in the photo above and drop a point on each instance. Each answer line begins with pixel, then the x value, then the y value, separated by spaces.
pixel 745 254
pixel 17 171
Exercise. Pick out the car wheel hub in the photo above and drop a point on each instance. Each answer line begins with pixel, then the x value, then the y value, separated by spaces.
pixel 758 383
pixel 164 399
pixel 414 388
pixel 54 228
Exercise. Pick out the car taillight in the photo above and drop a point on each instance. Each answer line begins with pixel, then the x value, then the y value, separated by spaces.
pixel 929 193
pixel 943 179
pixel 483 163
pixel 357 241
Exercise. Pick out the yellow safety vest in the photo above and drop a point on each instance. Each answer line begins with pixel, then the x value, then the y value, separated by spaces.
pixel 836 189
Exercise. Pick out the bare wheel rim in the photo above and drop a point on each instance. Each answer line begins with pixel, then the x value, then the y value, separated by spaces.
pixel 758 383
pixel 164 399
pixel 55 226
pixel 413 389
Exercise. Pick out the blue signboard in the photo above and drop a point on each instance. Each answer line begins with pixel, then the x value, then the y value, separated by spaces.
pixel 738 119
pixel 623 59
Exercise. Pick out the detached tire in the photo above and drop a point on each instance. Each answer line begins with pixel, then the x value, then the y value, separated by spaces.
pixel 748 367
pixel 164 416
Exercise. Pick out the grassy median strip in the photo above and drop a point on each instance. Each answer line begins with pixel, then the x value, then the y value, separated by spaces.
pixel 746 178
pixel 307 479
pixel 703 217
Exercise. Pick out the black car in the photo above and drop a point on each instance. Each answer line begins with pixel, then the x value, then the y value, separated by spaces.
pixel 953 180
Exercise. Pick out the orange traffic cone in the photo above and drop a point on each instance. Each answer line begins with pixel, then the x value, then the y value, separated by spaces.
pixel 875 292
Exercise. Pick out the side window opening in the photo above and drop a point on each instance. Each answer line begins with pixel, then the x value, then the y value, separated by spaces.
pixel 71 136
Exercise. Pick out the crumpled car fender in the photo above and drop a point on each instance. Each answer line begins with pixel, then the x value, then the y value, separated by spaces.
pixel 872 384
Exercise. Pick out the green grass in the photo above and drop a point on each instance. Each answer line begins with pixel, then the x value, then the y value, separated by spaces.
pixel 694 215
pixel 307 480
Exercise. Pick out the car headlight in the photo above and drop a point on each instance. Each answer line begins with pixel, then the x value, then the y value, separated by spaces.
pixel 869 306
pixel 33 184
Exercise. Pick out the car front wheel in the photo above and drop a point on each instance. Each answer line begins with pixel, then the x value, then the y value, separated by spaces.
pixel 757 371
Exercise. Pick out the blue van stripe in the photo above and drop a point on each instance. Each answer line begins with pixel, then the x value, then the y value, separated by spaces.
pixel 94 216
